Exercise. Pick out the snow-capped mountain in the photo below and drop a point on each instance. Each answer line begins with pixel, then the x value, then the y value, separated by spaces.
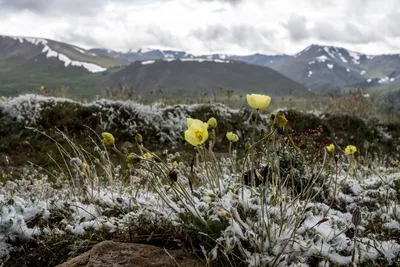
pixel 154 54
pixel 328 67
pixel 26 63
pixel 41 50
pixel 320 68
pixel 142 54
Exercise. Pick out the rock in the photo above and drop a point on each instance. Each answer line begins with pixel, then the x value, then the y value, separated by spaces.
pixel 113 254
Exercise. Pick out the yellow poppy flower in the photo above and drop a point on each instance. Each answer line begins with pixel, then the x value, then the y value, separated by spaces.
pixel 331 148
pixel 350 150
pixel 257 101
pixel 197 132
pixel 232 137
pixel 212 123
pixel 2 98
pixel 108 139
pixel 280 120
pixel 147 155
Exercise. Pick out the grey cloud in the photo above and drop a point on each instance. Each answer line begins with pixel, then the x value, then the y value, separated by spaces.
pixel 80 38
pixel 391 23
pixel 242 35
pixel 54 7
pixel 163 38
pixel 104 37
pixel 326 32
pixel 351 33
pixel 234 2
pixel 211 33
pixel 297 27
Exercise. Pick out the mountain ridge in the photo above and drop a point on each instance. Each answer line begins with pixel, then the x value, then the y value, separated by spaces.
pixel 199 76
pixel 28 62
pixel 321 68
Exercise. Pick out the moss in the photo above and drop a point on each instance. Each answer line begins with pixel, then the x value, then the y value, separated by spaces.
pixel 23 145
pixel 344 130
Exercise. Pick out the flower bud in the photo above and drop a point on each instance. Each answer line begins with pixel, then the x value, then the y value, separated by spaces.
pixel 232 137
pixel 139 138
pixel 108 139
pixel 212 123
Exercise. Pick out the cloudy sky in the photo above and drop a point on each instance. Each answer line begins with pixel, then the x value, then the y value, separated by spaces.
pixel 205 26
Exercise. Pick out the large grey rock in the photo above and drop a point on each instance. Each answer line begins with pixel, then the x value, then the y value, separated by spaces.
pixel 113 254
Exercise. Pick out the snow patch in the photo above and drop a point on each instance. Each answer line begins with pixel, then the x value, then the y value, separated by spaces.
pixel 309 74
pixel 199 60
pixel 322 58
pixel 329 52
pixel 342 58
pixel 169 56
pixel 79 50
pixel 348 70
pixel 355 57
pixel 148 62
pixel 329 66
pixel 384 80
pixel 363 72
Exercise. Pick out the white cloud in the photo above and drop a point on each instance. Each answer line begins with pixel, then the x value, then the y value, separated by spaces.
pixel 204 26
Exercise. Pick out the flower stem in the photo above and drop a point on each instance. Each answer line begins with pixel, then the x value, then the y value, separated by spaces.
pixel 254 127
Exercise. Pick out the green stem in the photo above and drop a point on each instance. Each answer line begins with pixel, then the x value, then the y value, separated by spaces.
pixel 230 155
pixel 254 127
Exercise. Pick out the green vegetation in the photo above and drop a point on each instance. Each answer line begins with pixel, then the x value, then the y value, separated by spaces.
pixel 257 188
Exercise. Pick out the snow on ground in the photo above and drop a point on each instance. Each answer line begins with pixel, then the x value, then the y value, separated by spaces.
pixel 322 58
pixel 309 73
pixel 292 229
pixel 168 121
pixel 329 66
pixel 79 50
pixel 210 59
pixel 295 232
pixel 342 58
pixel 384 80
pixel 326 49
pixel 355 57
pixel 363 72
pixel 148 62
pixel 145 50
